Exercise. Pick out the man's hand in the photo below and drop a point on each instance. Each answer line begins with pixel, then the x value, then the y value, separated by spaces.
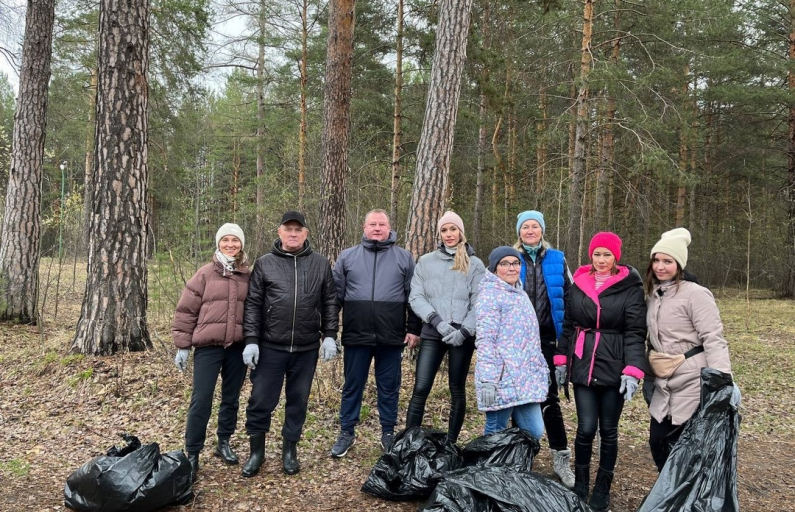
pixel 412 340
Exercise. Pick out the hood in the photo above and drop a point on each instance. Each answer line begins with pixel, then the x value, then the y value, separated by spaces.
pixel 490 281
pixel 380 245
pixel 469 249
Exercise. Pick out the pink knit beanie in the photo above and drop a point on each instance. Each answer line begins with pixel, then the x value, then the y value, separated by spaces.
pixel 450 218
pixel 608 240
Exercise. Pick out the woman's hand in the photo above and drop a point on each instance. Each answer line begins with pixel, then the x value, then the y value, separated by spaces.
pixel 181 360
pixel 629 386
pixel 488 394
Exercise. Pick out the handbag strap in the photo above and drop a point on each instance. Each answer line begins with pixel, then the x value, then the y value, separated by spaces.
pixel 693 351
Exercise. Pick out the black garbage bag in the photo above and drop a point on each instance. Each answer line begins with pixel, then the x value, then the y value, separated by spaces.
pixel 511 447
pixel 500 488
pixel 140 480
pixel 410 470
pixel 701 472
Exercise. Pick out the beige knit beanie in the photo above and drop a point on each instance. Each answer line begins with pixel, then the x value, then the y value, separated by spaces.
pixel 674 243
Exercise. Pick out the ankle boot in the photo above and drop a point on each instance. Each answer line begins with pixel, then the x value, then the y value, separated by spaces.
pixel 290 463
pixel 193 458
pixel 224 451
pixel 582 480
pixel 257 456
pixel 560 465
pixel 600 499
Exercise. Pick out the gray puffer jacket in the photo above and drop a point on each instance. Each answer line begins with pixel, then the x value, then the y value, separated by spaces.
pixel 439 293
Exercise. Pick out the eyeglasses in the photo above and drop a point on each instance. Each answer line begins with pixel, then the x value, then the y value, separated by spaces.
pixel 510 264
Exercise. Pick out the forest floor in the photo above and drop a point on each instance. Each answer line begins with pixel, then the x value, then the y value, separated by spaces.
pixel 58 410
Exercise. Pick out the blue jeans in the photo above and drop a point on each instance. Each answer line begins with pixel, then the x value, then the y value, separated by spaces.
pixel 527 417
pixel 387 381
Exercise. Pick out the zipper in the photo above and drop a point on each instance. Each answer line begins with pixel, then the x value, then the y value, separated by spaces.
pixel 295 302
pixel 372 294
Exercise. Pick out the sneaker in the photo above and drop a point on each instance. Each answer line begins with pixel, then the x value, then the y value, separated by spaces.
pixel 387 440
pixel 343 444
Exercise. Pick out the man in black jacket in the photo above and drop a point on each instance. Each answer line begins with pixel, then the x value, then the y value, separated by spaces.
pixel 373 282
pixel 291 302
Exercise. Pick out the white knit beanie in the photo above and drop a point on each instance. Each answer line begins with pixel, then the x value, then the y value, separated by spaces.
pixel 230 229
pixel 674 243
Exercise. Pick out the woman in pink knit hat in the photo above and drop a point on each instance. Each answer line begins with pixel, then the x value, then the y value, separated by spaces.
pixel 603 340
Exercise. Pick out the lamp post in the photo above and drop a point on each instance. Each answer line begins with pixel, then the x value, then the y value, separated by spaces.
pixel 60 223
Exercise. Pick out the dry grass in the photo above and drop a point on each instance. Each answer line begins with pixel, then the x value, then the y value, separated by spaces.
pixel 58 410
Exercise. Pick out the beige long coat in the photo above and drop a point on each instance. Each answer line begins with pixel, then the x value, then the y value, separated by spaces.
pixel 679 320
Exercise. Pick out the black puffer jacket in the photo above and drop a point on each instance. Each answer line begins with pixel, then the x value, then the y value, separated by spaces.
pixel 620 326
pixel 291 301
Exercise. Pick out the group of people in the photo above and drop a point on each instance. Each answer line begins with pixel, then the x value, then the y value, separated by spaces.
pixel 536 327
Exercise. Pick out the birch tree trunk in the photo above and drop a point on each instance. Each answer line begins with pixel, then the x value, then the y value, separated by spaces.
pixel 438 127
pixel 336 127
pixel 113 315
pixel 20 238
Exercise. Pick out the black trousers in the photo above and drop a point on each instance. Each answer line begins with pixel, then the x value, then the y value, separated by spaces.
pixel 208 363
pixel 276 368
pixel 429 360
pixel 597 406
pixel 550 408
pixel 662 438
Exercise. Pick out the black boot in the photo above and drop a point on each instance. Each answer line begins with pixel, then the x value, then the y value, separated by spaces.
pixel 257 455
pixel 224 451
pixel 582 480
pixel 289 457
pixel 193 458
pixel 600 499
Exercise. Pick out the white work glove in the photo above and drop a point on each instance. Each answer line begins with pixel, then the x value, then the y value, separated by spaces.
pixel 629 386
pixel 328 350
pixel 488 394
pixel 560 375
pixel 455 338
pixel 182 359
pixel 445 328
pixel 251 355
pixel 736 397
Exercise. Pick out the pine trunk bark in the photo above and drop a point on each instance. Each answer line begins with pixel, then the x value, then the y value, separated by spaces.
pixel 580 135
pixel 88 180
pixel 336 127
pixel 113 315
pixel 21 231
pixel 397 130
pixel 302 127
pixel 789 194
pixel 438 127
pixel 260 120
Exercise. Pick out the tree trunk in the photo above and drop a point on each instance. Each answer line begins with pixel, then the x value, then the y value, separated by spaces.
pixel 113 315
pixel 260 121
pixel 789 192
pixel 336 126
pixel 581 134
pixel 438 127
pixel 21 231
pixel 541 145
pixel 482 141
pixel 302 127
pixel 396 126
pixel 684 149
pixel 607 148
pixel 88 181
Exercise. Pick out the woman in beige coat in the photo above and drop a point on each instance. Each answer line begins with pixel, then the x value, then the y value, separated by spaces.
pixel 683 320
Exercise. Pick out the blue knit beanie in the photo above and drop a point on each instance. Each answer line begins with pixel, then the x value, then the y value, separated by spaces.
pixel 499 253
pixel 530 215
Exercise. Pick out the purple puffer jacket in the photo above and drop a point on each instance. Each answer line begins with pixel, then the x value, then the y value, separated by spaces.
pixel 509 346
